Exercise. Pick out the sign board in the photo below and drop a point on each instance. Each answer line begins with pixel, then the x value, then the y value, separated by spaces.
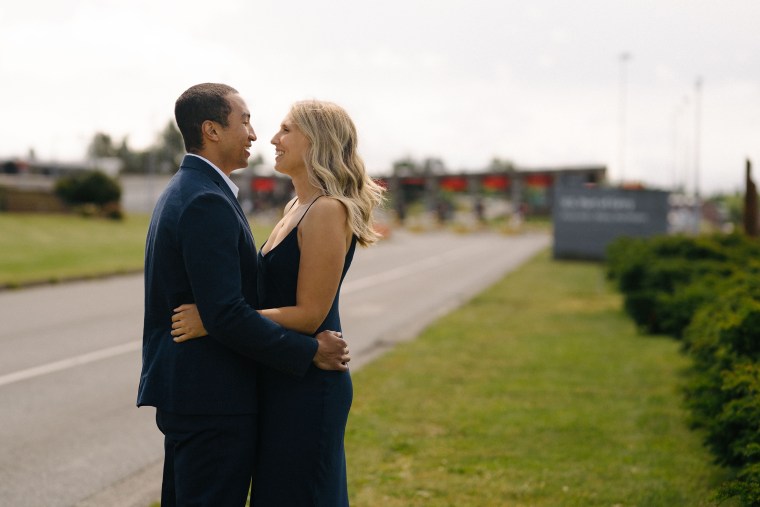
pixel 586 220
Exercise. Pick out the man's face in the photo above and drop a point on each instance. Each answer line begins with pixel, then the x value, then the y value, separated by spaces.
pixel 236 138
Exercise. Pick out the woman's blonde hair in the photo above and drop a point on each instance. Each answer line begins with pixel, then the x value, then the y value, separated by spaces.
pixel 335 166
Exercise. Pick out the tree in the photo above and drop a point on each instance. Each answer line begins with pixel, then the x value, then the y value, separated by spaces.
pixel 498 165
pixel 406 166
pixel 101 146
pixel 169 148
pixel 164 155
pixel 255 162
pixel 433 165
pixel 132 161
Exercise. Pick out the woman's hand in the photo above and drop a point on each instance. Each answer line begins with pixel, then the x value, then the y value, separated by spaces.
pixel 187 324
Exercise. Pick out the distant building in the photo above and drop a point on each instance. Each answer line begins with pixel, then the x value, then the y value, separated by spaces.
pixel 27 185
pixel 109 165
pixel 530 189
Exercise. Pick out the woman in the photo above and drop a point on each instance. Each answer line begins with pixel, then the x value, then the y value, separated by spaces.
pixel 301 266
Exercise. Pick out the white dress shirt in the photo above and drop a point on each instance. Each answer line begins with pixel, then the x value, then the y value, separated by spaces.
pixel 226 178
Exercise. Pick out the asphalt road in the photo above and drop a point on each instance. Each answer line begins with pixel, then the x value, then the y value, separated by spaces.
pixel 70 359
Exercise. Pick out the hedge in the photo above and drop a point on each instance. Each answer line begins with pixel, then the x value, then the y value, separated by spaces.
pixel 665 279
pixel 706 290
pixel 91 192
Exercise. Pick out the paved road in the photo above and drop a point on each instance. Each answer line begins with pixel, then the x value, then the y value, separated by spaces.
pixel 69 362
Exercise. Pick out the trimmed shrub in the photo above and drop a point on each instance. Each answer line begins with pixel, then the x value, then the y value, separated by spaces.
pixel 746 486
pixel 723 389
pixel 91 193
pixel 665 279
pixel 90 187
pixel 675 309
pixel 707 291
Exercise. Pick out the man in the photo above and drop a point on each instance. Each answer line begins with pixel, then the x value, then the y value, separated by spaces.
pixel 200 250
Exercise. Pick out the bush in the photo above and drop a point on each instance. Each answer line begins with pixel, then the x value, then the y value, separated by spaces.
pixel 91 187
pixel 706 290
pixel 91 193
pixel 723 390
pixel 675 309
pixel 665 279
pixel 746 486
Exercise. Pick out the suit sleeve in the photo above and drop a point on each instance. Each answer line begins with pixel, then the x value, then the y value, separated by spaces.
pixel 209 238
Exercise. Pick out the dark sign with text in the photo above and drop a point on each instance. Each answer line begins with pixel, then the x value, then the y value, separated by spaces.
pixel 586 220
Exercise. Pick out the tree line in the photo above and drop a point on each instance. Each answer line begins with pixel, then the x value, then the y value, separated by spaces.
pixel 164 155
pixel 166 152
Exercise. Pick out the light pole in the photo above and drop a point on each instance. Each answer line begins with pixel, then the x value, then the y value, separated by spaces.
pixel 676 159
pixel 697 128
pixel 624 58
pixel 686 147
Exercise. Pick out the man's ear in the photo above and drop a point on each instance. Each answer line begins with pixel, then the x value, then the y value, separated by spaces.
pixel 209 129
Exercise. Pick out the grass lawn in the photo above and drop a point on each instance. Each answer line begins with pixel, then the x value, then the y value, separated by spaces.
pixel 50 248
pixel 538 392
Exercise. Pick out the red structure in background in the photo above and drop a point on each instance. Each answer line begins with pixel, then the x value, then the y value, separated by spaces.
pixel 263 184
pixel 453 183
pixel 495 182
pixel 539 180
pixel 527 189
pixel 413 182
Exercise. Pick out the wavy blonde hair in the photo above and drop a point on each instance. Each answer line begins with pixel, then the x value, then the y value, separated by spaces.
pixel 335 166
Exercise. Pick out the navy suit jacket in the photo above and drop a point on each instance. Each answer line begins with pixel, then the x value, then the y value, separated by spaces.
pixel 200 250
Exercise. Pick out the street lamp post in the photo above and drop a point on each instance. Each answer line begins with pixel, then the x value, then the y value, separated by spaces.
pixel 697 131
pixel 624 58
pixel 676 158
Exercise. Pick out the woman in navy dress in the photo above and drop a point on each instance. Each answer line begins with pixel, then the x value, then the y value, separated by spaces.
pixel 301 459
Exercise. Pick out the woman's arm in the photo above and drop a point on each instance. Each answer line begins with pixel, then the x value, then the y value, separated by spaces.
pixel 187 324
pixel 323 237
pixel 186 321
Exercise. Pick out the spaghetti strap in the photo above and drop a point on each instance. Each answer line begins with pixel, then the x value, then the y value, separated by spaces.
pixel 292 203
pixel 307 210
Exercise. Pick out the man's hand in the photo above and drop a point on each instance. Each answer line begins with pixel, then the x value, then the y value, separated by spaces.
pixel 332 353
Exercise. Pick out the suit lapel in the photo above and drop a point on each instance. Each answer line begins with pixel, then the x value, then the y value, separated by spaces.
pixel 238 209
pixel 199 164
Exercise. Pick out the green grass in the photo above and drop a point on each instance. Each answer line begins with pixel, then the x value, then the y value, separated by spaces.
pixel 50 248
pixel 538 392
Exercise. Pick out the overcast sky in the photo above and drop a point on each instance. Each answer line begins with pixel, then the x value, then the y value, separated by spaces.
pixel 536 82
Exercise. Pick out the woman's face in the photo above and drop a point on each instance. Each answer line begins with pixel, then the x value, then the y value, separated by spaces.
pixel 290 146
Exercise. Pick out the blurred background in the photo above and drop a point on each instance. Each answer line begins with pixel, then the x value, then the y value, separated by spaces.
pixel 663 94
pixel 573 124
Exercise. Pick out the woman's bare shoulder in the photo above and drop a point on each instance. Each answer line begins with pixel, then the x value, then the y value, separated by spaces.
pixel 327 210
pixel 330 205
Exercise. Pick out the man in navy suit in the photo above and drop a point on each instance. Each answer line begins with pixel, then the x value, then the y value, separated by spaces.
pixel 200 250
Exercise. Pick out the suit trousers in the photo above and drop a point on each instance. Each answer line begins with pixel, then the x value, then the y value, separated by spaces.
pixel 208 459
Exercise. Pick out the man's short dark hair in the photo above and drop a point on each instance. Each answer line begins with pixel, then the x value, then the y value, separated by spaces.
pixel 206 101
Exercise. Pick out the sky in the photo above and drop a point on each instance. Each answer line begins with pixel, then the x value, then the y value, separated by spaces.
pixel 539 83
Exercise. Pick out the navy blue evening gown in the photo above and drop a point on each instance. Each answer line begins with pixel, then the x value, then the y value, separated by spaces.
pixel 301 460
